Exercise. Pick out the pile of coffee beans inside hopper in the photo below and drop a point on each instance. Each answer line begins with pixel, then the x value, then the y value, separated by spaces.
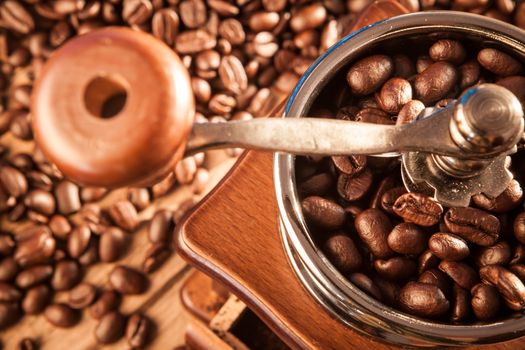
pixel 239 54
pixel 457 265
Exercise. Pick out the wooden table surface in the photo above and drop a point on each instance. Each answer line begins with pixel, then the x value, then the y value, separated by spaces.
pixel 161 302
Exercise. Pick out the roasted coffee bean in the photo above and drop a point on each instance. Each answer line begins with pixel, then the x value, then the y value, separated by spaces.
pixel 403 66
pixel 499 62
pixel 447 50
pixel 354 187
pixel 470 74
pixel 323 213
pixel 36 299
pixel 92 194
pixel 409 112
pixel 308 17
pixel 60 226
pixel 108 301
pixel 519 227
pixel 9 314
pixel 8 269
pixel 161 226
pixel 506 201
pixel 460 304
pixel 366 284
pixel 435 82
pixel 368 74
pixel 61 315
pixel 16 17
pixel 193 41
pixel 389 290
pixel 422 299
pixel 124 215
pixel 165 25
pixel 232 74
pixel 514 84
pixel 461 273
pixel 41 201
pixel 9 293
pixel 474 225
pixel 13 181
pixel 138 330
pixel 373 115
pixel 518 270
pixel 7 243
pixel 437 278
pixel 68 197
pixel 192 13
pixel 395 93
pixel 417 208
pixel 67 274
pixel 40 180
pixel 498 254
pixel 519 255
pixel 113 244
pixel 485 301
pixel 78 240
pixel 27 344
pixel 426 261
pixel 136 12
pixel 82 296
pixel 317 185
pixel 447 246
pixel 373 227
pixel 110 328
pixel 139 197
pixel 397 268
pixel 127 280
pixel 36 245
pixel 343 253
pixel 508 284
pixel 349 165
pixel 90 255
pixel 407 238
pixel 155 256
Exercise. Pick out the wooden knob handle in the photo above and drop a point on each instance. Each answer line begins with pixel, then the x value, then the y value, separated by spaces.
pixel 112 108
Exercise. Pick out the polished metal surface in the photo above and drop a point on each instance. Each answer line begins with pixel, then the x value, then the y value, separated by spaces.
pixel 326 285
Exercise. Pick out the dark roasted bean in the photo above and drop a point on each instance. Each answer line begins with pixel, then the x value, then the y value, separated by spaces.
pixel 61 315
pixel 422 299
pixel 373 227
pixel 368 74
pixel 36 245
pixel 461 273
pixel 113 244
pixel 165 25
pixel 110 328
pixel 474 225
pixel 364 283
pixel 508 284
pixel 9 293
pixel 9 314
pixel 506 201
pixel 354 187
pixel 124 215
pixel 8 269
pixel 447 50
pixel 349 165
pixel 343 253
pixel 68 197
pixel 82 296
pixel 317 184
pixel 394 94
pixel 41 201
pixel 323 213
pixel 498 254
pixel 161 226
pixel 155 256
pixel 499 62
pixel 60 226
pixel 396 268
pixel 485 301
pixel 36 299
pixel 435 82
pixel 409 112
pixel 13 181
pixel 7 243
pixel 78 240
pixel 407 238
pixel 460 304
pixel 419 209
pixel 139 197
pixel 437 278
pixel 67 274
pixel 447 246
pixel 470 73
pixel 109 300
pixel 138 330
pixel 127 280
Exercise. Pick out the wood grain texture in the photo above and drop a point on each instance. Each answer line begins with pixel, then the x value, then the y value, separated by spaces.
pixel 233 236
pixel 161 302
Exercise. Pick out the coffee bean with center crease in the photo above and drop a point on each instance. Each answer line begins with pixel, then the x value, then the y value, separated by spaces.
pixel 61 315
pixel 136 12
pixel 373 227
pixel 110 328
pixel 499 62
pixel 396 269
pixel 447 246
pixel 506 201
pixel 7 243
pixel 232 74
pixel 165 25
pixel 354 187
pixel 447 50
pixel 470 73
pixel 161 226
pixel 318 184
pixel 349 165
pixel 485 301
pixel 108 300
pixel 36 299
pixel 9 293
pixel 437 278
pixel 82 296
pixel 78 240
pixel 498 254
pixel 474 225
pixel 127 280
pixel 519 227
pixel 138 330
pixel 124 215
pixel 394 94
pixel 343 253
pixel 368 74
pixel 35 245
pixel 113 244
pixel 464 275
pixel 435 82
pixel 407 238
pixel 67 274
pixel 507 283
pixel 155 256
pixel 323 213
pixel 27 344
pixel 68 197
pixel 16 17
pixel 41 201
pixel 192 13
pixel 34 275
pixel 460 304
pixel 366 284
pixel 422 299
pixel 418 208
pixel 60 226
pixel 8 269
pixel 13 181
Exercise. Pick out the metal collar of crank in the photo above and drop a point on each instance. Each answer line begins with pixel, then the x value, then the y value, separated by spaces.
pixel 343 300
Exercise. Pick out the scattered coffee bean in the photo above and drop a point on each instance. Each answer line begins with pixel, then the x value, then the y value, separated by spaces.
pixel 138 330
pixel 36 299
pixel 448 50
pixel 82 296
pixel 108 300
pixel 110 328
pixel 435 82
pixel 61 315
pixel 160 226
pixel 68 197
pixel 78 240
pixel 126 280
pixel 34 275
pixel 498 254
pixel 35 245
pixel 437 278
pixel 124 215
pixel 67 274
pixel 156 255
pixel 113 244
pixel 343 253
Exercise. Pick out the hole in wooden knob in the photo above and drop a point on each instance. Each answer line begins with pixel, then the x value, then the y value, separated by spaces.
pixel 105 96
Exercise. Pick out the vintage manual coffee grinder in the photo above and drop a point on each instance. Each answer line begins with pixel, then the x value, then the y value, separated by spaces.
pixel 249 232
